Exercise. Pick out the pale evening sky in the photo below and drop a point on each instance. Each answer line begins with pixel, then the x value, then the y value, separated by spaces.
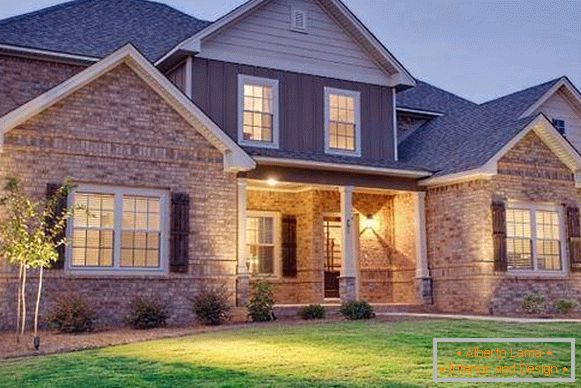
pixel 479 49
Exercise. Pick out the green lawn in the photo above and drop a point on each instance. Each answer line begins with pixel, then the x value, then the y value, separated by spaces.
pixel 373 353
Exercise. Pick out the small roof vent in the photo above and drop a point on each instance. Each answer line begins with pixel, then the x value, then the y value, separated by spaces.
pixel 298 20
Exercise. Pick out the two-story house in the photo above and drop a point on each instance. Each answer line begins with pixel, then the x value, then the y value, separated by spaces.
pixel 285 142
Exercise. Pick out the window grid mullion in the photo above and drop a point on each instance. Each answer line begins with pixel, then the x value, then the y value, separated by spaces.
pixel 117 227
pixel 533 216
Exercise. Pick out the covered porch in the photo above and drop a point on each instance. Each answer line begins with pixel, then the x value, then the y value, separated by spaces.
pixel 324 243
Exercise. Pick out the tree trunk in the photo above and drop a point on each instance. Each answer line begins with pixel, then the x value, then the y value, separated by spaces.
pixel 23 297
pixel 36 337
pixel 19 303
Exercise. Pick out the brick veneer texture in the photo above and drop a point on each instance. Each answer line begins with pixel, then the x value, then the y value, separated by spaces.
pixel 386 252
pixel 117 131
pixel 459 231
pixel 24 78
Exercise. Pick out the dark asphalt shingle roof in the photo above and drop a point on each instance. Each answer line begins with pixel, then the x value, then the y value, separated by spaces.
pixel 468 138
pixel 326 158
pixel 96 28
pixel 431 98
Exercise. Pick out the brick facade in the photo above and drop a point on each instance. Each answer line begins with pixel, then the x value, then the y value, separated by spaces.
pixel 25 78
pixel 459 230
pixel 117 131
pixel 386 252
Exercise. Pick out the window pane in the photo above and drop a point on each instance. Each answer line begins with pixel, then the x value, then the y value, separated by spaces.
pixel 141 232
pixel 342 124
pixel 519 254
pixel 257 115
pixel 548 241
pixel 549 255
pixel 260 240
pixel 92 239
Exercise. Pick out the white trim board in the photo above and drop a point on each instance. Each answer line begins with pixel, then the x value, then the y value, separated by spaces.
pixel 544 130
pixel 394 70
pixel 235 159
pixel 563 82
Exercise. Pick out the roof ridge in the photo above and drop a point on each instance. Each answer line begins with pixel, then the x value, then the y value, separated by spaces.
pixel 45 10
pixel 553 81
pixel 447 92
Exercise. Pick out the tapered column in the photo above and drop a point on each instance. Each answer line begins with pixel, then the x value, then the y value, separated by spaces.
pixel 243 277
pixel 348 279
pixel 423 279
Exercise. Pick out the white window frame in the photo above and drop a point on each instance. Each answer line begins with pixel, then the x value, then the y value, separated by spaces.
pixel 277 225
pixel 116 269
pixel 244 79
pixel 357 97
pixel 532 207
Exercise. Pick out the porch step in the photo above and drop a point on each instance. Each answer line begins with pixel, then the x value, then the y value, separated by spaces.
pixel 332 309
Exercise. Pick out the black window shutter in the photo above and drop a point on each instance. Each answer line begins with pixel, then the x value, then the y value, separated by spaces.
pixel 574 238
pixel 180 232
pixel 51 190
pixel 289 246
pixel 499 235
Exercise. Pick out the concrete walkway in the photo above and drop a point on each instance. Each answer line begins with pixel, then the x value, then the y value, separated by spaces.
pixel 481 318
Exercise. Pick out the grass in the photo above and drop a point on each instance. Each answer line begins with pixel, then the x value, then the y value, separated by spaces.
pixel 394 354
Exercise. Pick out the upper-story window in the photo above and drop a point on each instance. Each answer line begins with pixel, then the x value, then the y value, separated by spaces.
pixel 534 235
pixel 342 122
pixel 258 111
pixel 117 229
pixel 560 125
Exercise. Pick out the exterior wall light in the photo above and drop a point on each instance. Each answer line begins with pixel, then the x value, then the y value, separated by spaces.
pixel 369 222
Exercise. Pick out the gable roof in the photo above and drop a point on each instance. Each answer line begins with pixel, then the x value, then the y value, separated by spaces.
pixel 235 159
pixel 426 97
pixel 95 28
pixel 335 8
pixel 467 138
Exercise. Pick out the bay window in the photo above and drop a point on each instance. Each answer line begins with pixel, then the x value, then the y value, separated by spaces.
pixel 534 238
pixel 117 229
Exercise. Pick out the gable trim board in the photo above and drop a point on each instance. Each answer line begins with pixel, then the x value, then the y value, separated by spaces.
pixel 544 129
pixel 563 82
pixel 235 159
pixel 352 26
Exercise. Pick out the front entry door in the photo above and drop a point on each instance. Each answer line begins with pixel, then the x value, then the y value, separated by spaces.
pixel 333 253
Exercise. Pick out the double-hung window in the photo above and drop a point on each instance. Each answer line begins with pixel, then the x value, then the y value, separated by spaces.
pixel 262 231
pixel 258 111
pixel 342 122
pixel 534 238
pixel 117 229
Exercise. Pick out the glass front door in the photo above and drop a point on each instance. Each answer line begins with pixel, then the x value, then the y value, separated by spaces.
pixel 333 255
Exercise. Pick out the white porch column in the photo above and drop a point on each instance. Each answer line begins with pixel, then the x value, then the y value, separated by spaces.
pixel 243 278
pixel 348 281
pixel 423 279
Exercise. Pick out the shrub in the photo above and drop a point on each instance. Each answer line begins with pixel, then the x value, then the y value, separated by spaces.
pixel 212 306
pixel 564 306
pixel 260 304
pixel 533 303
pixel 312 311
pixel 72 314
pixel 357 310
pixel 147 314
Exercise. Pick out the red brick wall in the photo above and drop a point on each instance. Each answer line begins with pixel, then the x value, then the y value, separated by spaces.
pixel 459 231
pixel 22 79
pixel 117 131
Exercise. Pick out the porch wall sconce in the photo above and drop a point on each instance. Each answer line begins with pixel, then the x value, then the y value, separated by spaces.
pixel 369 222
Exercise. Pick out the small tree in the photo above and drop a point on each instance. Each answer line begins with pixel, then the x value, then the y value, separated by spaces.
pixel 29 237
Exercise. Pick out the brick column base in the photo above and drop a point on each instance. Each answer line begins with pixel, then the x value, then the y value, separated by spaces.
pixel 242 289
pixel 424 290
pixel 347 288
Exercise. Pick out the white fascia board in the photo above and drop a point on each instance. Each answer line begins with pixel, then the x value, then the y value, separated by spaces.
pixel 419 112
pixel 235 159
pixel 284 162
